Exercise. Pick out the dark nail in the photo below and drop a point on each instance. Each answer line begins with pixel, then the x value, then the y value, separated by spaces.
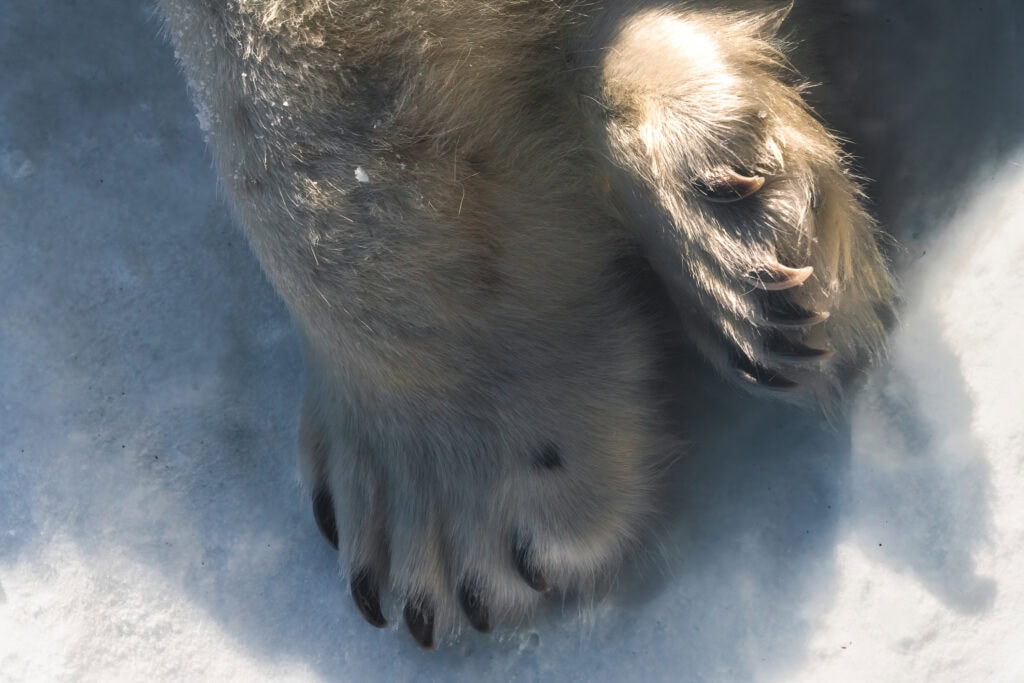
pixel 366 593
pixel 473 606
pixel 521 557
pixel 788 314
pixel 789 351
pixel 323 511
pixel 752 373
pixel 419 617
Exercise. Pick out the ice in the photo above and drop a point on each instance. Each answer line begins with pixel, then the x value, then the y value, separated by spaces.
pixel 151 522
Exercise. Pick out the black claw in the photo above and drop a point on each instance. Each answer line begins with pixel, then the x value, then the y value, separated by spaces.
pixel 366 593
pixel 419 618
pixel 532 576
pixel 476 611
pixel 790 315
pixel 323 511
pixel 750 372
pixel 789 351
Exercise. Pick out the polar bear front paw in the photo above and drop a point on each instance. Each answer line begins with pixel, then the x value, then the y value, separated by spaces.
pixel 744 201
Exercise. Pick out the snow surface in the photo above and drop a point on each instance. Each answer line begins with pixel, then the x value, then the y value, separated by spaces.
pixel 151 523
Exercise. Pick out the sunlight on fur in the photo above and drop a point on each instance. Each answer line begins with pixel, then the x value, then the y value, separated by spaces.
pixel 473 209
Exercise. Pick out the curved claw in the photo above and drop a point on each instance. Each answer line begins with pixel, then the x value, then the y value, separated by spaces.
pixel 728 186
pixel 792 316
pixel 763 377
pixel 366 594
pixel 776 277
pixel 323 512
pixel 473 606
pixel 530 574
pixel 419 618
pixel 789 351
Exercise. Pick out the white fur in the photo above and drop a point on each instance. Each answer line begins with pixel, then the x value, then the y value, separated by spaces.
pixel 447 195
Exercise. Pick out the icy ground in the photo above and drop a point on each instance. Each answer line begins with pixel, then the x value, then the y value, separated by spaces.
pixel 151 524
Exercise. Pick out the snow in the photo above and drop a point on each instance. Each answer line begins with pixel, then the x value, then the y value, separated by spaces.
pixel 151 522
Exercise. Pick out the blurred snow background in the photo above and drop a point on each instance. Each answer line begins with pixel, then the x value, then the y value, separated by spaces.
pixel 151 523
